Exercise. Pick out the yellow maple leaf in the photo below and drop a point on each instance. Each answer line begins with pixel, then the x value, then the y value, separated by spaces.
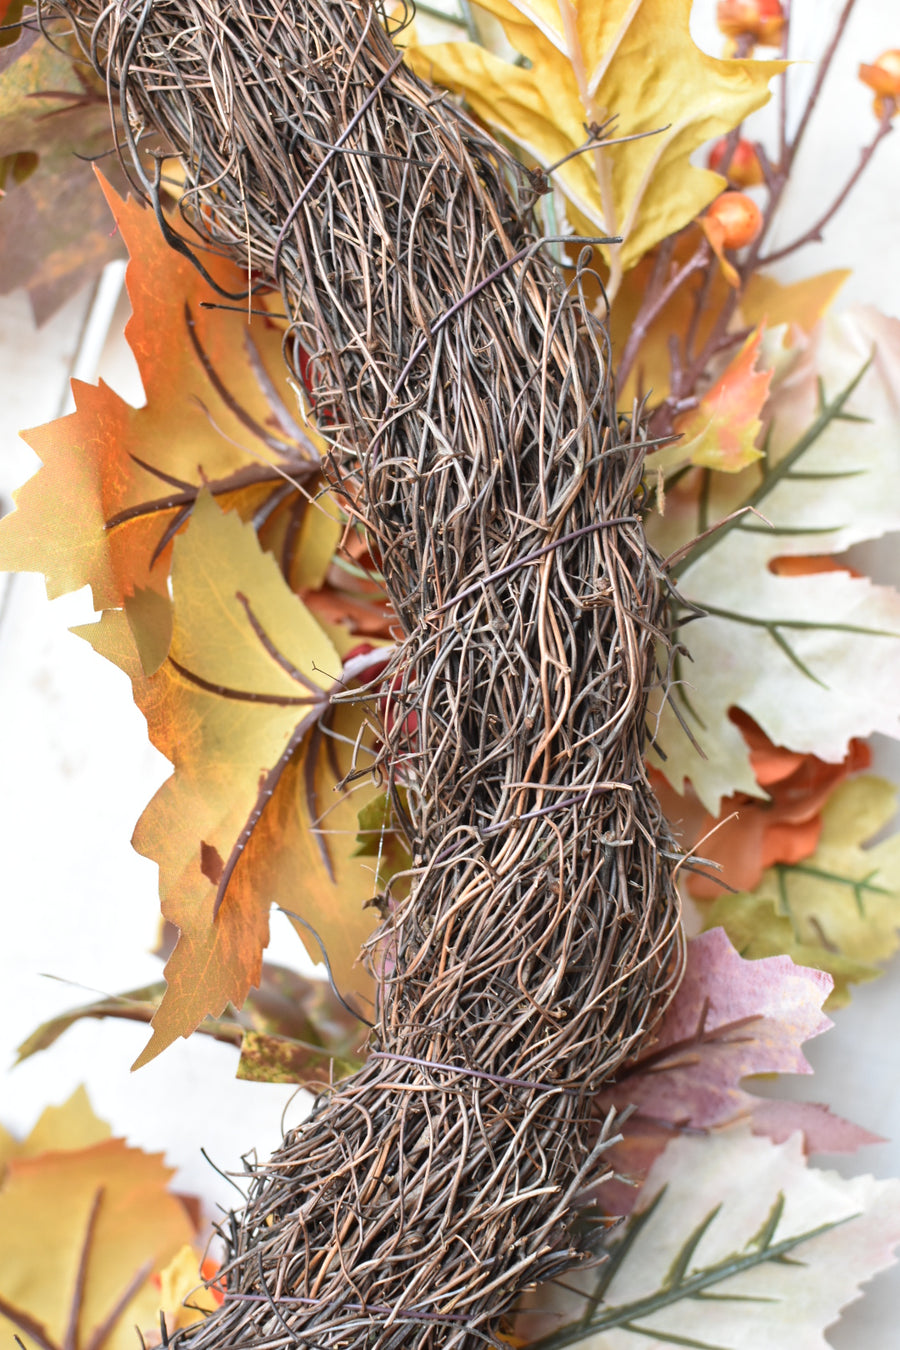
pixel 720 433
pixel 82 1229
pixel 70 1125
pixel 183 1293
pixel 250 816
pixel 590 60
pixel 839 909
pixel 768 301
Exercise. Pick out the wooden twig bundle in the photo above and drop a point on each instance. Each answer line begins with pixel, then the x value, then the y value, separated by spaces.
pixel 466 391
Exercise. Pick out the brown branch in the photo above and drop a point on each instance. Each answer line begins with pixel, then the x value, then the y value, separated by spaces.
pixel 814 234
pixel 655 305
pixel 70 1336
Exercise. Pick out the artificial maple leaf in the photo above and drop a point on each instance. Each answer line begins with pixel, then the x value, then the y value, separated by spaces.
pixel 52 105
pixel 380 837
pixel 801 303
pixel 633 60
pixel 71 1125
pixel 118 482
pixel 839 909
pixel 764 300
pixel 721 432
pixel 290 1029
pixel 814 659
pixel 117 486
pixel 750 834
pixel 183 1289
pixel 731 1019
pixel 81 1231
pixel 244 822
pixel 734 1243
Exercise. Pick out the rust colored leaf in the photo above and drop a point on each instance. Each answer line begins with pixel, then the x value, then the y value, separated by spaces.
pixel 118 483
pixel 749 834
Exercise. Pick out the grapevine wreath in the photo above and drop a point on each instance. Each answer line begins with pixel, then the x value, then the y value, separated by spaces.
pixel 490 473
pixel 466 392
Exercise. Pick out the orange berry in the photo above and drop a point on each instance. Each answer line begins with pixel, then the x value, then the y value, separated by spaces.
pixel 761 20
pixel 744 168
pixel 736 218
pixel 884 77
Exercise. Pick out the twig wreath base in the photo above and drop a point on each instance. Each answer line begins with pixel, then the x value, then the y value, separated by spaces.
pixel 466 393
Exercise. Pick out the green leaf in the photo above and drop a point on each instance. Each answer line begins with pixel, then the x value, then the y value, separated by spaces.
pixel 280 1059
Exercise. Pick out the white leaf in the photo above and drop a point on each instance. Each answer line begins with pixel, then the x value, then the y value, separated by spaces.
pixel 735 1244
pixel 806 656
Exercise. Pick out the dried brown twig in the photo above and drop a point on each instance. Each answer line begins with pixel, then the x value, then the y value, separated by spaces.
pixel 465 391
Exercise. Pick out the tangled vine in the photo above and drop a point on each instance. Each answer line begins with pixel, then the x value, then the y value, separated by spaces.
pixel 466 393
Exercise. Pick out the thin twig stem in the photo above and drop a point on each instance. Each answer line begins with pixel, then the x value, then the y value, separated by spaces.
pixel 656 305
pixel 814 234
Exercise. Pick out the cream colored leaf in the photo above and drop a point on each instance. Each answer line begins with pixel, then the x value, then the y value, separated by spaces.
pixel 814 659
pixel 735 1244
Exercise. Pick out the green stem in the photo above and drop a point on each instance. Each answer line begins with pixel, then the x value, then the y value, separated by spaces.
pixel 691 1288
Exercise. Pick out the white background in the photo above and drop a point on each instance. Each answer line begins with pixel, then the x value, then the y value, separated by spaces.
pixel 76 768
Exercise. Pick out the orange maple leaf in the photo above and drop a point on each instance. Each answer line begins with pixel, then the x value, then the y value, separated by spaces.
pixel 213 646
pixel 118 482
pixel 750 835
pixel 720 433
